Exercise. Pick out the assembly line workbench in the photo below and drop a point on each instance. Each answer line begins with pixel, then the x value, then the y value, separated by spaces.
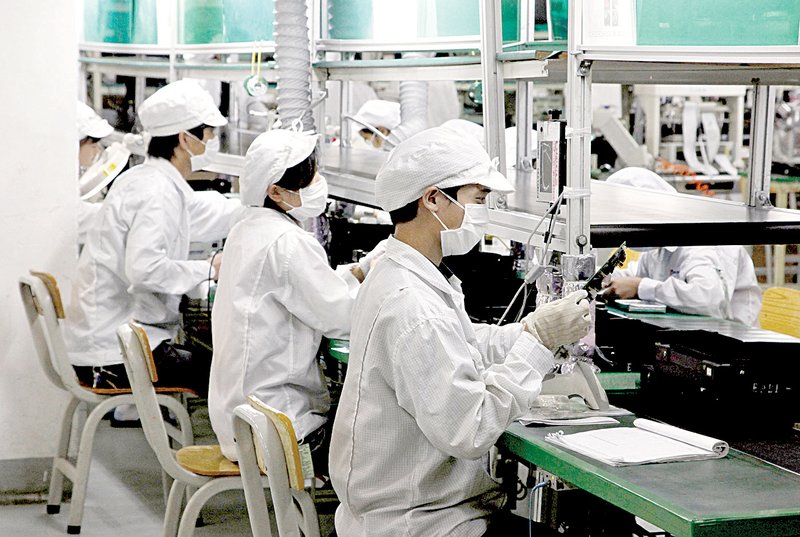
pixel 739 495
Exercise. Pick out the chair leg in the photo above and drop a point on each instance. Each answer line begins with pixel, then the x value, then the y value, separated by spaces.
pixel 83 463
pixel 210 489
pixel 173 511
pixel 56 490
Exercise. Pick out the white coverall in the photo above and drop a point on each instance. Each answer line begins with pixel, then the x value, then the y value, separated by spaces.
pixel 741 284
pixel 134 264
pixel 688 279
pixel 427 393
pixel 277 296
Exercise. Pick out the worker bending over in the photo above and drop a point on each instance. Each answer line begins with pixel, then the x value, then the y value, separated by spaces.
pixel 718 281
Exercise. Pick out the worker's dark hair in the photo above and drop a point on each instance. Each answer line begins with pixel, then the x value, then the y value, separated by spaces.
pixel 164 146
pixel 298 176
pixel 409 212
pixel 89 140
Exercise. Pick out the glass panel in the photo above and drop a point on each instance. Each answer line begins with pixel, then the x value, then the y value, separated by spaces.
pixel 717 22
pixel 248 20
pixel 107 21
pixel 201 21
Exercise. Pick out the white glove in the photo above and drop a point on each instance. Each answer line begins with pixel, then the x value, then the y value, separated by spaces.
pixel 369 260
pixel 560 322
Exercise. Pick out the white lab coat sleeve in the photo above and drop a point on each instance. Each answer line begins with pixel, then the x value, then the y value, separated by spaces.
pixel 147 266
pixel 701 291
pixel 87 212
pixel 212 215
pixel 315 294
pixel 631 270
pixel 461 408
pixel 346 274
pixel 495 342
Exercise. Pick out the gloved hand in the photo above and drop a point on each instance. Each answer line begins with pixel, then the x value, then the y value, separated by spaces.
pixel 560 322
pixel 369 260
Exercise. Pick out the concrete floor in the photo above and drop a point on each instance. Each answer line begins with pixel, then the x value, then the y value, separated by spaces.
pixel 125 496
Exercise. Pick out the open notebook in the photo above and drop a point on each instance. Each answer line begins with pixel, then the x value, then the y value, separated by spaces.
pixel 646 442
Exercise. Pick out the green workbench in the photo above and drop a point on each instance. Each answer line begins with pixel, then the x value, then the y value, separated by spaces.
pixel 612 382
pixel 738 495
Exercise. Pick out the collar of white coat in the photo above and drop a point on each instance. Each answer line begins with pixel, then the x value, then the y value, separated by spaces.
pixel 166 167
pixel 413 260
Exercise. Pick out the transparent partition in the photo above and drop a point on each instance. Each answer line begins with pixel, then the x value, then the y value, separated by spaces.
pixel 410 21
pixel 694 23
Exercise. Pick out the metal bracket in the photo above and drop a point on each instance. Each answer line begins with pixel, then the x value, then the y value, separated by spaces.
pixel 763 200
pixel 584 67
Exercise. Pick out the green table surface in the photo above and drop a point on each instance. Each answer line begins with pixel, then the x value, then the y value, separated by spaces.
pixel 738 495
pixel 612 382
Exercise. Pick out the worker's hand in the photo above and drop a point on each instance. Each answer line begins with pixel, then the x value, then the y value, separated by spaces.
pixel 366 263
pixel 216 263
pixel 560 322
pixel 623 287
pixel 356 271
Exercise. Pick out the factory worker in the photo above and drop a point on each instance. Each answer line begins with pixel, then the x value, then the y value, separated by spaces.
pixel 91 129
pixel 277 296
pixel 427 392
pixel 718 281
pixel 135 263
pixel 383 116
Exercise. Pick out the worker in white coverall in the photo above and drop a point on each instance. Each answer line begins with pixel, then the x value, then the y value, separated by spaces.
pixel 91 129
pixel 427 392
pixel 135 263
pixel 718 281
pixel 277 296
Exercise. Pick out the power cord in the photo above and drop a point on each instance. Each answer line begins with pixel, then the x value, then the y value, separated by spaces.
pixel 530 505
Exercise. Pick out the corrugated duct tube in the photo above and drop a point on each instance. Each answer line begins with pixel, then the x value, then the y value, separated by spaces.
pixel 293 63
pixel 413 108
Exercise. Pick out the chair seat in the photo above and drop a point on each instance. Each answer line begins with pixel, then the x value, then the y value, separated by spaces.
pixel 122 391
pixel 206 460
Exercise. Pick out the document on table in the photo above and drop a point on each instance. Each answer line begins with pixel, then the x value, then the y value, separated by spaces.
pixel 646 442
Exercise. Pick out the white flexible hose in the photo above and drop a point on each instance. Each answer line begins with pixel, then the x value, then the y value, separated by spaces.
pixel 293 63
pixel 413 108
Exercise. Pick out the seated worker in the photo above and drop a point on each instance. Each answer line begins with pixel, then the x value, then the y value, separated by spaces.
pixel 135 263
pixel 427 392
pixel 378 114
pixel 718 281
pixel 277 296
pixel 91 129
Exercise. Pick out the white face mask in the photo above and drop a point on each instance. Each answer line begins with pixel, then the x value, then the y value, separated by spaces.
pixel 469 233
pixel 202 160
pixel 313 199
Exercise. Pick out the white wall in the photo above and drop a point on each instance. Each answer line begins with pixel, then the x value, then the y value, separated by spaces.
pixel 38 200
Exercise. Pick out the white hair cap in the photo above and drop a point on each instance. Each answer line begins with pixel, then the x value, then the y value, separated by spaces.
pixel 640 178
pixel 90 124
pixel 378 113
pixel 268 158
pixel 435 157
pixel 178 107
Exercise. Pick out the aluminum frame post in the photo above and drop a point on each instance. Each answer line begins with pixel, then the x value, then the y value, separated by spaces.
pixel 579 121
pixel 493 90
pixel 763 121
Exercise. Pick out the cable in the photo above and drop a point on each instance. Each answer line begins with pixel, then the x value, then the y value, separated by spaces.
pixel 530 505
pixel 530 273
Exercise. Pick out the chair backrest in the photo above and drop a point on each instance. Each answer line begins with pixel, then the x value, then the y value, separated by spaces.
pixel 780 311
pixel 43 321
pixel 140 367
pixel 288 441
pixel 262 434
pixel 40 293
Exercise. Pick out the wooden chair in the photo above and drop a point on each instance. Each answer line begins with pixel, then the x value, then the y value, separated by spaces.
pixel 780 311
pixel 44 310
pixel 266 441
pixel 202 470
